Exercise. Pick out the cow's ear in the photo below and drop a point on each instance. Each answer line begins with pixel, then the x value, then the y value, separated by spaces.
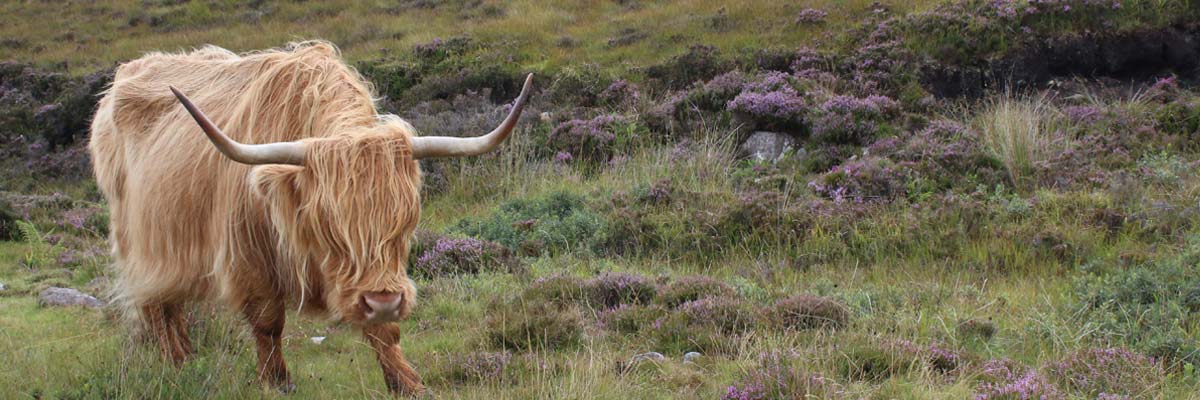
pixel 275 181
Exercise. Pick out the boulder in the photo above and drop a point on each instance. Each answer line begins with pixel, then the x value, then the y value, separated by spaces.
pixel 56 296
pixel 691 357
pixel 766 146
pixel 651 356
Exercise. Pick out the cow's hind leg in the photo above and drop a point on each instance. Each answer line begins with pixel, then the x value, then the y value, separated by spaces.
pixel 397 373
pixel 266 318
pixel 168 324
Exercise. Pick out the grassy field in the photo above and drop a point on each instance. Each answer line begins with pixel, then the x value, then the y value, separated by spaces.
pixel 1041 242
pixel 546 34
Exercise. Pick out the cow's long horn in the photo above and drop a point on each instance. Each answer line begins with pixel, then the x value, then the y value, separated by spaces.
pixel 443 146
pixel 252 154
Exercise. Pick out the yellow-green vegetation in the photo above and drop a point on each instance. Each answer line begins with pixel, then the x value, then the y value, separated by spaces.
pixel 541 34
pixel 936 230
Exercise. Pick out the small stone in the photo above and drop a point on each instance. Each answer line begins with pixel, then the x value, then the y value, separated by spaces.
pixel 766 146
pixel 318 339
pixel 653 356
pixel 691 357
pixel 56 296
pixel 2 287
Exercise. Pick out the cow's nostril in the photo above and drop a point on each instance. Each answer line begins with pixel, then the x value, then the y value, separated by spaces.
pixel 382 302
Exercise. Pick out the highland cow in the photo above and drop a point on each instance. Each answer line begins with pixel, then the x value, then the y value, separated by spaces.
pixel 305 195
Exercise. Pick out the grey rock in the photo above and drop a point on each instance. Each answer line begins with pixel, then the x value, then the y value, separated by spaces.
pixel 57 296
pixel 691 357
pixel 766 146
pixel 2 287
pixel 651 356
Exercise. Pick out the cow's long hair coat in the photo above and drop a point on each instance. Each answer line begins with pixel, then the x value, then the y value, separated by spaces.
pixel 188 223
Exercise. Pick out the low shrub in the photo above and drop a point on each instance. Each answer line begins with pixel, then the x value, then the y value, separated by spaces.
pixel 502 80
pixel 854 120
pixel 714 94
pixel 708 325
pixel 1107 372
pixel 728 314
pixel 875 360
pixel 810 16
pixel 699 63
pixel 1144 303
pixel 781 375
pixel 579 86
pixel 612 289
pixel 692 288
pixel 454 256
pixel 810 312
pixel 557 222
pixel 8 221
pixel 630 319
pixel 522 325
pixel 771 102
pixel 479 367
pixel 943 155
pixel 596 140
pixel 866 179
pixel 619 94
pixel 1008 379
pixel 557 289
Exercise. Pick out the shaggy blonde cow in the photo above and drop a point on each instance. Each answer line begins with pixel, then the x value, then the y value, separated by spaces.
pixel 295 191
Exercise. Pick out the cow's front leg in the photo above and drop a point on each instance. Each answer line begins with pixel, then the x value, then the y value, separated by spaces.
pixel 266 317
pixel 397 373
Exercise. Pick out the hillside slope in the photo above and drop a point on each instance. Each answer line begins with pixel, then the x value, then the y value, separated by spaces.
pixel 831 199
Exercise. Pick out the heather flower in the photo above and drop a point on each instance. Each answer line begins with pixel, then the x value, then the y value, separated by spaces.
pixel 848 119
pixel 811 16
pixel 663 115
pixel 450 256
pixel 1109 371
pixel 563 157
pixel 866 179
pixel 782 109
pixel 728 314
pixel 807 62
pixel 714 94
pixel 944 154
pixel 1084 114
pixel 1007 379
pixel 430 48
pixel 611 289
pixel 659 192
pixel 589 139
pixel 620 92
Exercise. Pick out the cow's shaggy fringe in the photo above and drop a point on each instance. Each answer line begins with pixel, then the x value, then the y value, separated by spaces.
pixel 189 223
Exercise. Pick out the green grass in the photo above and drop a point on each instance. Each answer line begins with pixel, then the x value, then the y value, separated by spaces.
pixel 913 287
pixel 910 269
pixel 531 30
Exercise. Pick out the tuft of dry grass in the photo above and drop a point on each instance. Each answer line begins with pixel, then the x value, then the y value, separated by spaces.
pixel 1021 132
